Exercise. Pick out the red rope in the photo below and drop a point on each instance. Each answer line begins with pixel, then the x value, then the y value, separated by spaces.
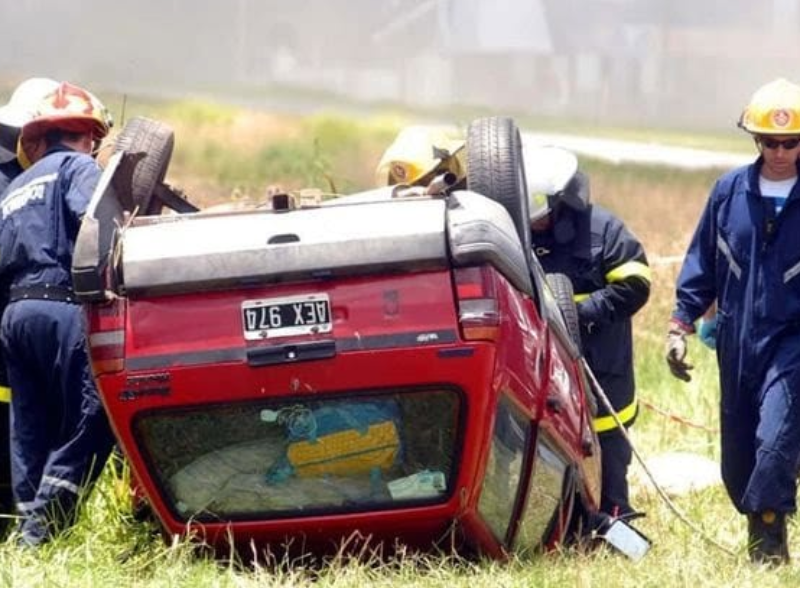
pixel 677 418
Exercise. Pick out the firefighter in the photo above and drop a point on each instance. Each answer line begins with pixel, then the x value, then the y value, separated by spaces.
pixel 744 255
pixel 19 110
pixel 60 437
pixel 608 269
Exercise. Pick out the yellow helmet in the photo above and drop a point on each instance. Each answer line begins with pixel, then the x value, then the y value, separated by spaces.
pixel 773 109
pixel 420 151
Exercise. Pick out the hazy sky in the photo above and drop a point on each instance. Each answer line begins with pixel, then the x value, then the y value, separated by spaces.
pixel 642 62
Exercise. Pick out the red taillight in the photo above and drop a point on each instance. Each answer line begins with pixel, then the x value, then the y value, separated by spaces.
pixel 106 337
pixel 478 312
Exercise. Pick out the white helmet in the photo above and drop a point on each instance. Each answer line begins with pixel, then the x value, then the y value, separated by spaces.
pixel 24 101
pixel 552 176
pixel 21 108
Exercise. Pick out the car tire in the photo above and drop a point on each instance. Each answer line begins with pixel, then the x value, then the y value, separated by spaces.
pixel 495 169
pixel 561 286
pixel 567 515
pixel 156 141
pixel 578 530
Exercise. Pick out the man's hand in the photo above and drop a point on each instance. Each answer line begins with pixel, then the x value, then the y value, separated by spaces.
pixel 676 352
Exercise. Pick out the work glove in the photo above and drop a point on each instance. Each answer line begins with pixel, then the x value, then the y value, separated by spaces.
pixel 707 331
pixel 676 351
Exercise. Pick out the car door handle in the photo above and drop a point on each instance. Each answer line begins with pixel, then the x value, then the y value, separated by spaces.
pixel 289 353
pixel 284 238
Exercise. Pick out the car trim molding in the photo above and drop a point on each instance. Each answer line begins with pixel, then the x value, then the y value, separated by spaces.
pixel 372 342
pixel 161 361
pixel 411 338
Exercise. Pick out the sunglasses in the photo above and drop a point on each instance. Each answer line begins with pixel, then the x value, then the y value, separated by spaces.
pixel 772 143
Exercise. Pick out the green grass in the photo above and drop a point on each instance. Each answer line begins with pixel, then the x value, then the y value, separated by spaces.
pixel 224 153
pixel 221 150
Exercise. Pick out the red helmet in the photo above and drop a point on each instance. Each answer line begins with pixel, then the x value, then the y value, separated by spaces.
pixel 68 108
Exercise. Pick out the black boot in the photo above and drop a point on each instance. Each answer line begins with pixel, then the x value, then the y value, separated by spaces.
pixel 767 540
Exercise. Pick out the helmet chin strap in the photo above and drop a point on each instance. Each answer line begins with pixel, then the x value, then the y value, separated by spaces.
pixel 24 160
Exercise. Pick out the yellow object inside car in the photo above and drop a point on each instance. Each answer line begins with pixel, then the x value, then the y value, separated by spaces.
pixel 347 452
pixel 420 152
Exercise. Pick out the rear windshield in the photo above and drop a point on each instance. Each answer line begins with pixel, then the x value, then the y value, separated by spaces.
pixel 267 459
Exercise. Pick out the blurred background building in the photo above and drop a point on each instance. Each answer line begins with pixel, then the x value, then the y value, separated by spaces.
pixel 639 62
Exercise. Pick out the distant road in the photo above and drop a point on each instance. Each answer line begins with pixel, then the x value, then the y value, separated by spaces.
pixel 618 151
pixel 607 149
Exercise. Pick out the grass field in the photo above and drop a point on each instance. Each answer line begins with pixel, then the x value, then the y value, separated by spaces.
pixel 224 154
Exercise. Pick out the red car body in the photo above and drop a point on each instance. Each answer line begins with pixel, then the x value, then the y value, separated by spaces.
pixel 394 370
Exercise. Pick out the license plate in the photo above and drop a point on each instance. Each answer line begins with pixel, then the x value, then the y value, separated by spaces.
pixel 290 315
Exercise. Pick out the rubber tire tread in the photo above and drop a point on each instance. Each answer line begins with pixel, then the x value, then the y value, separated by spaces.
pixel 562 289
pixel 157 141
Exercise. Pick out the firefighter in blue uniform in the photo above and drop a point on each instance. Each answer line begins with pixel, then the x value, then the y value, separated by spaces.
pixel 745 256
pixel 18 111
pixel 60 437
pixel 611 279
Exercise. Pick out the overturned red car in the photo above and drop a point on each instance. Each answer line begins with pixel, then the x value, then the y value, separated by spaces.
pixel 392 368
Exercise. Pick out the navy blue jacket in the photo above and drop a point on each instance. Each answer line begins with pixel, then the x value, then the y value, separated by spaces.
pixel 40 215
pixel 746 258
pixel 8 171
pixel 608 269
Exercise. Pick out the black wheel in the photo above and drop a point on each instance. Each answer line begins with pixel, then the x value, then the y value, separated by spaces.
pixel 567 518
pixel 495 169
pixel 155 141
pixel 578 530
pixel 562 290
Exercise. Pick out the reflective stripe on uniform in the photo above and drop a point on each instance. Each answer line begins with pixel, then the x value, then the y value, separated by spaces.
pixel 725 250
pixel 608 423
pixel 5 393
pixel 791 273
pixel 629 269
pixel 60 483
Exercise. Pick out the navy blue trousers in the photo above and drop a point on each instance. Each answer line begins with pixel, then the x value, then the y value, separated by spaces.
pixel 759 418
pixel 760 431
pixel 60 436
pixel 6 497
pixel 616 458
pixel 616 451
